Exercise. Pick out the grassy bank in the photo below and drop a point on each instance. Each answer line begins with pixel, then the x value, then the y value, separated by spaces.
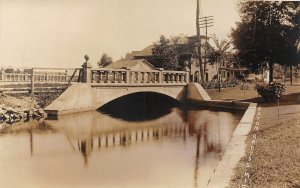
pixel 276 157
pixel 275 162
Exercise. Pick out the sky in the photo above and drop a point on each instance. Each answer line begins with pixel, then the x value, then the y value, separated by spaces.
pixel 58 33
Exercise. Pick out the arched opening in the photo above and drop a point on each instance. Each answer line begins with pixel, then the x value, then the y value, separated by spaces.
pixel 140 106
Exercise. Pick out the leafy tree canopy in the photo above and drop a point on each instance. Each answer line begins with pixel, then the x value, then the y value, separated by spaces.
pixel 105 60
pixel 219 51
pixel 174 51
pixel 268 33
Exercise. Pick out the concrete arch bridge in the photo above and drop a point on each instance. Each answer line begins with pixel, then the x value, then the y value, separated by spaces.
pixel 100 86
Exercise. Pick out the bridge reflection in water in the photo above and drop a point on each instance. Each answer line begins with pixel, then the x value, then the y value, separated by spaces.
pixel 179 149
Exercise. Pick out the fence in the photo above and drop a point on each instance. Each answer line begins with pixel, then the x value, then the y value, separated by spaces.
pixel 38 75
pixel 44 79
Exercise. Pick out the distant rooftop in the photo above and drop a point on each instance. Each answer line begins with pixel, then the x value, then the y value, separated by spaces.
pixel 148 50
pixel 144 52
pixel 129 63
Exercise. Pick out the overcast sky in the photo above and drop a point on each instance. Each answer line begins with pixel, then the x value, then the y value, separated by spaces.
pixel 57 33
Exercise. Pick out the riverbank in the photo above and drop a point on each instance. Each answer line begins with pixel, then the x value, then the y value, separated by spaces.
pixel 275 158
pixel 15 109
pixel 22 107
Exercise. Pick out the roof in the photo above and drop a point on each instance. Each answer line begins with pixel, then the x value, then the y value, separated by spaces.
pixel 144 52
pixel 128 63
pixel 232 69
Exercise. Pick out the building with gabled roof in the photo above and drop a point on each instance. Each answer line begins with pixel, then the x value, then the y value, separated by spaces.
pixel 132 64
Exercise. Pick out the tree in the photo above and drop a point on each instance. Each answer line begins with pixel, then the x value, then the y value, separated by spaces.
pixel 173 52
pixel 218 53
pixel 105 60
pixel 268 34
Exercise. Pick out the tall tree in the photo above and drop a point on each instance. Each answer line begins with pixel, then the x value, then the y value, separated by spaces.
pixel 268 34
pixel 105 60
pixel 217 53
pixel 174 51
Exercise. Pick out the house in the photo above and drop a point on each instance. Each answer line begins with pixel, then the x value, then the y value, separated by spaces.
pixel 227 70
pixel 193 65
pixel 132 64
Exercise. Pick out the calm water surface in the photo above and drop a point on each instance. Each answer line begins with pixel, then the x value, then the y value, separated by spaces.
pixel 178 149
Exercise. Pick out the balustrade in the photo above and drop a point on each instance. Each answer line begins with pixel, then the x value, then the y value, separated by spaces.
pixel 25 77
pixel 103 75
pixel 143 76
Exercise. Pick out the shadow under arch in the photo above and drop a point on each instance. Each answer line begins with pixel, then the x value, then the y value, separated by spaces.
pixel 140 106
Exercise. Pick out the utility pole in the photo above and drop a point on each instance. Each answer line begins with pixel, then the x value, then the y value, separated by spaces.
pixel 199 41
pixel 205 22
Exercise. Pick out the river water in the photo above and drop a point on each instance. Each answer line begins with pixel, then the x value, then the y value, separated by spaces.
pixel 181 148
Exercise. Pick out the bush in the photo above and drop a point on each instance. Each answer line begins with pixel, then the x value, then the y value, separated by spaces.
pixel 270 92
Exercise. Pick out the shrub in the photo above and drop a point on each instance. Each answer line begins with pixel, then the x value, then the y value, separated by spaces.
pixel 270 92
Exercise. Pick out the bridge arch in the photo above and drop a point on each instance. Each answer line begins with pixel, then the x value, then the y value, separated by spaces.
pixel 105 95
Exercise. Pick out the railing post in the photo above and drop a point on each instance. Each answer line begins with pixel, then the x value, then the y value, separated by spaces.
pixel 127 75
pixel 86 72
pixel 32 82
pixel 187 77
pixel 2 74
pixel 160 75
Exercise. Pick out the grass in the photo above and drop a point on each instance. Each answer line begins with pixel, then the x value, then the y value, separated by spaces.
pixel 276 155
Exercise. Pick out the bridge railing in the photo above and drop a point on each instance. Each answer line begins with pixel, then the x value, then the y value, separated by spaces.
pixel 39 75
pixel 102 75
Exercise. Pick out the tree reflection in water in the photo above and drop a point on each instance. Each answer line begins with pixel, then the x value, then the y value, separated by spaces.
pixel 207 131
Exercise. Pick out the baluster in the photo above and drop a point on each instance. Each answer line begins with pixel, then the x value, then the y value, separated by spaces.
pixel 180 78
pixel 172 77
pixel 147 77
pixel 128 76
pixel 186 77
pixel 99 141
pixel 167 78
pixel 152 77
pixel 123 76
pixel 156 77
pixel 143 77
pixel 177 78
pixel 164 78
pixel 94 77
pixel 106 140
pixel 113 73
pixel 131 77
pixel 108 76
pixel 113 137
pixel 130 136
pixel 137 76
pixel 116 76
pixel 99 76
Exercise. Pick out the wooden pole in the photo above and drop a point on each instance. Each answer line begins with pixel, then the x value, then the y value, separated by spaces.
pixel 291 74
pixel 278 106
pixel 199 41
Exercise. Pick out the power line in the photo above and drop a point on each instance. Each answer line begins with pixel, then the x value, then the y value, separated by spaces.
pixel 205 22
